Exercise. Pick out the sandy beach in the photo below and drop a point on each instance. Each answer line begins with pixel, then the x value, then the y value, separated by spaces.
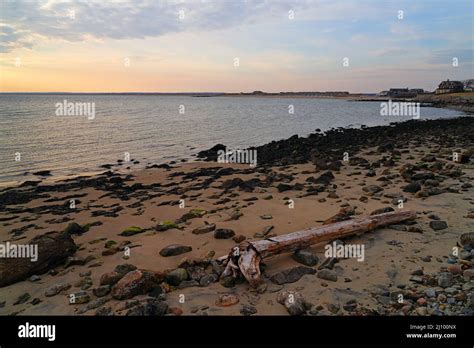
pixel 122 224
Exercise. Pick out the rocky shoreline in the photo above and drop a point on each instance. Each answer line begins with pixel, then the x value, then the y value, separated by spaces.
pixel 148 243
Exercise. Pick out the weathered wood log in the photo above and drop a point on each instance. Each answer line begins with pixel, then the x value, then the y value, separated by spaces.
pixel 245 258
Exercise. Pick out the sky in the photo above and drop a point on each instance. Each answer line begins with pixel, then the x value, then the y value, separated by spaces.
pixel 233 45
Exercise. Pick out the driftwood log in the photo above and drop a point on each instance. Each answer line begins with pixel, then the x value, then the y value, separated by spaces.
pixel 245 258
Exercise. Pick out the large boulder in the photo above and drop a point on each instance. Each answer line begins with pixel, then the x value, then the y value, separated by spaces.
pixel 52 249
pixel 212 153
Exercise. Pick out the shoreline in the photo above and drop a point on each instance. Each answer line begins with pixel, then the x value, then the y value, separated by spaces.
pixel 130 227
pixel 126 168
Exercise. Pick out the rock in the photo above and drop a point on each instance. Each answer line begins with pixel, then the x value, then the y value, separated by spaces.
pixel 104 311
pixel 176 276
pixel 43 173
pixel 53 249
pixel 434 217
pixel 84 283
pixel 235 215
pixel 212 153
pixel 137 282
pixel 325 178
pixel 293 301
pixel 430 293
pixel 327 274
pixel 188 284
pixel 454 269
pixel 153 307
pixel 22 299
pixel 412 187
pixel 227 300
pixel 429 158
pixel 35 301
pixel 350 305
pixel 371 173
pixel 372 189
pixel 110 278
pixel 421 301
pixel 266 217
pixel 74 228
pixel 165 226
pixel 131 231
pixel 56 289
pixel 469 273
pixel 445 279
pixel 239 238
pixel 306 257
pixel 192 214
pixel 223 233
pixel 124 268
pixel 232 183
pixel 425 258
pixel 206 228
pixel 291 275
pixel 101 291
pixel 34 278
pixel 227 282
pixel 416 279
pixel 175 311
pixel 421 311
pixel 208 279
pixel 247 310
pixel 80 297
pixel 406 309
pixel 438 225
pixel 74 261
pixel 441 298
pixel 93 304
pixel 465 255
pixel 397 200
pixel 284 187
pixel 175 249
pixel 382 210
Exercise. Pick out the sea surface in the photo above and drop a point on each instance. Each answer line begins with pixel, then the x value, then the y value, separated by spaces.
pixel 160 128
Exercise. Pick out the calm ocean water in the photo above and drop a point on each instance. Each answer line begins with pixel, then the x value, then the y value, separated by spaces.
pixel 152 129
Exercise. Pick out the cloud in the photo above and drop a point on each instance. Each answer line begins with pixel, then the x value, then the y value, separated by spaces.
pixel 28 21
pixel 78 20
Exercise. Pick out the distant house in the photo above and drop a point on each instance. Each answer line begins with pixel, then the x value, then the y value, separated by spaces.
pixel 469 85
pixel 401 93
pixel 417 91
pixel 383 94
pixel 450 87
